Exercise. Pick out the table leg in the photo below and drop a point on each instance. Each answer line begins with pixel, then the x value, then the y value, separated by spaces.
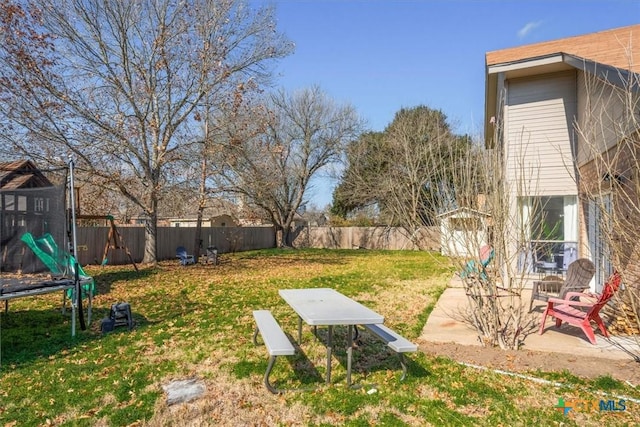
pixel 349 353
pixel 352 338
pixel 299 330
pixel 329 351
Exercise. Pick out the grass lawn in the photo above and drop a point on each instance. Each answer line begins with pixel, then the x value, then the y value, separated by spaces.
pixel 196 322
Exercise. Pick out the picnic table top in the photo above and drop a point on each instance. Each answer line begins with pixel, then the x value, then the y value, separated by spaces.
pixel 325 306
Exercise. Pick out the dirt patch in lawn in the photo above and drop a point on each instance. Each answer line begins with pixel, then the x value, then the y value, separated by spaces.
pixel 528 361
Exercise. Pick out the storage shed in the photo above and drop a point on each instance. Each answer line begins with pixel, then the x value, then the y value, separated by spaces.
pixel 463 231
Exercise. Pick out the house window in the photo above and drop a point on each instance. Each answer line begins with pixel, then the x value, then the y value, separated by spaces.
pixel 9 202
pixel 38 204
pixel 550 218
pixel 551 223
pixel 22 203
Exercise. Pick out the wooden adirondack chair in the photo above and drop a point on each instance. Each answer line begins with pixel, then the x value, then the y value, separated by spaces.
pixel 579 275
pixel 568 310
pixel 479 269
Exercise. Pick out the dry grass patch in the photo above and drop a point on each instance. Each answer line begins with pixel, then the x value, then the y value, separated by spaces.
pixel 228 401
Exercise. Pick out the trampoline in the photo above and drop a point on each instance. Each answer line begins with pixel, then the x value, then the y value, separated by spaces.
pixel 21 287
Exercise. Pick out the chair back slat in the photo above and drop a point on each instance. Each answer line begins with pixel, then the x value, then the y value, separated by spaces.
pixel 486 255
pixel 610 288
pixel 579 274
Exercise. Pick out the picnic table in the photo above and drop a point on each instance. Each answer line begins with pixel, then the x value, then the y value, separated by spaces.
pixel 328 307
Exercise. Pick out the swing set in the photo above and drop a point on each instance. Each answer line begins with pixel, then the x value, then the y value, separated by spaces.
pixel 114 239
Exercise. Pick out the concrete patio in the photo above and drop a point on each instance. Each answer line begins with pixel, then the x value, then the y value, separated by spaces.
pixel 446 325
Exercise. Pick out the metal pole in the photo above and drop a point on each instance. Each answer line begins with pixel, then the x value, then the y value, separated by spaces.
pixel 74 242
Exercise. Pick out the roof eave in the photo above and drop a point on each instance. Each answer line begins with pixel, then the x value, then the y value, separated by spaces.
pixel 615 76
pixel 493 71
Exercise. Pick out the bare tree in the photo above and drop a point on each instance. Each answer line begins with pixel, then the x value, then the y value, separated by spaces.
pixel 121 84
pixel 609 135
pixel 304 132
pixel 235 115
pixel 496 308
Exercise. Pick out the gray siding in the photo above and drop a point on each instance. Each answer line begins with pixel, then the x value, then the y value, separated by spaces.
pixel 540 113
pixel 601 116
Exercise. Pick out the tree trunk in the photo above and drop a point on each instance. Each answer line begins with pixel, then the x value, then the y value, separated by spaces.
pixel 279 237
pixel 151 234
pixel 286 237
pixel 150 239
pixel 201 205
pixel 198 242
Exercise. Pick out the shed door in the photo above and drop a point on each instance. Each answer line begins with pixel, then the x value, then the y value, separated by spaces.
pixel 467 236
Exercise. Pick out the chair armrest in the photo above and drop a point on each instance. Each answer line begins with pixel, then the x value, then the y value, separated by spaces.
pixel 572 294
pixel 570 302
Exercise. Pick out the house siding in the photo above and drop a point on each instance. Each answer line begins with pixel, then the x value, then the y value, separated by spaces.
pixel 601 117
pixel 540 113
pixel 623 237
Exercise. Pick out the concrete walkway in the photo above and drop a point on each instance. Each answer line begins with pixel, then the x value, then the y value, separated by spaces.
pixel 446 324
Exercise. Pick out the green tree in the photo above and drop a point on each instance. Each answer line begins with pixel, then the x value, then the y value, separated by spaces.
pixel 407 170
pixel 368 159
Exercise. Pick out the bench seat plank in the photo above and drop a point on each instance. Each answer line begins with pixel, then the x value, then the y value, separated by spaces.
pixel 275 339
pixel 395 342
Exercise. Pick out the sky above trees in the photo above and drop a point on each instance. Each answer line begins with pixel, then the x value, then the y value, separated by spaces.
pixel 384 55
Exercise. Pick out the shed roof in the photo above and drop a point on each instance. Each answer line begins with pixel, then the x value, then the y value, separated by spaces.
pixel 463 210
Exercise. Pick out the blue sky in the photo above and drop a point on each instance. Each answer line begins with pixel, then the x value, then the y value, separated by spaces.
pixel 382 55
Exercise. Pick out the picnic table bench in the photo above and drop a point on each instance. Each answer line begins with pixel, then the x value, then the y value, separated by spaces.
pixel 275 340
pixel 395 342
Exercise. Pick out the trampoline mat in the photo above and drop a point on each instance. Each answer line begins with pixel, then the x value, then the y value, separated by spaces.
pixel 14 284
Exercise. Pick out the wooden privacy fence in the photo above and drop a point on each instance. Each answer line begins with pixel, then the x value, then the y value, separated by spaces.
pixel 92 240
pixel 392 238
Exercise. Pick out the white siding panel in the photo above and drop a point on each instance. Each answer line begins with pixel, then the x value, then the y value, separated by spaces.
pixel 539 133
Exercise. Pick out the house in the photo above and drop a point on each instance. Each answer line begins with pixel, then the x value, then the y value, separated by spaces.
pixel 222 220
pixel 563 114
